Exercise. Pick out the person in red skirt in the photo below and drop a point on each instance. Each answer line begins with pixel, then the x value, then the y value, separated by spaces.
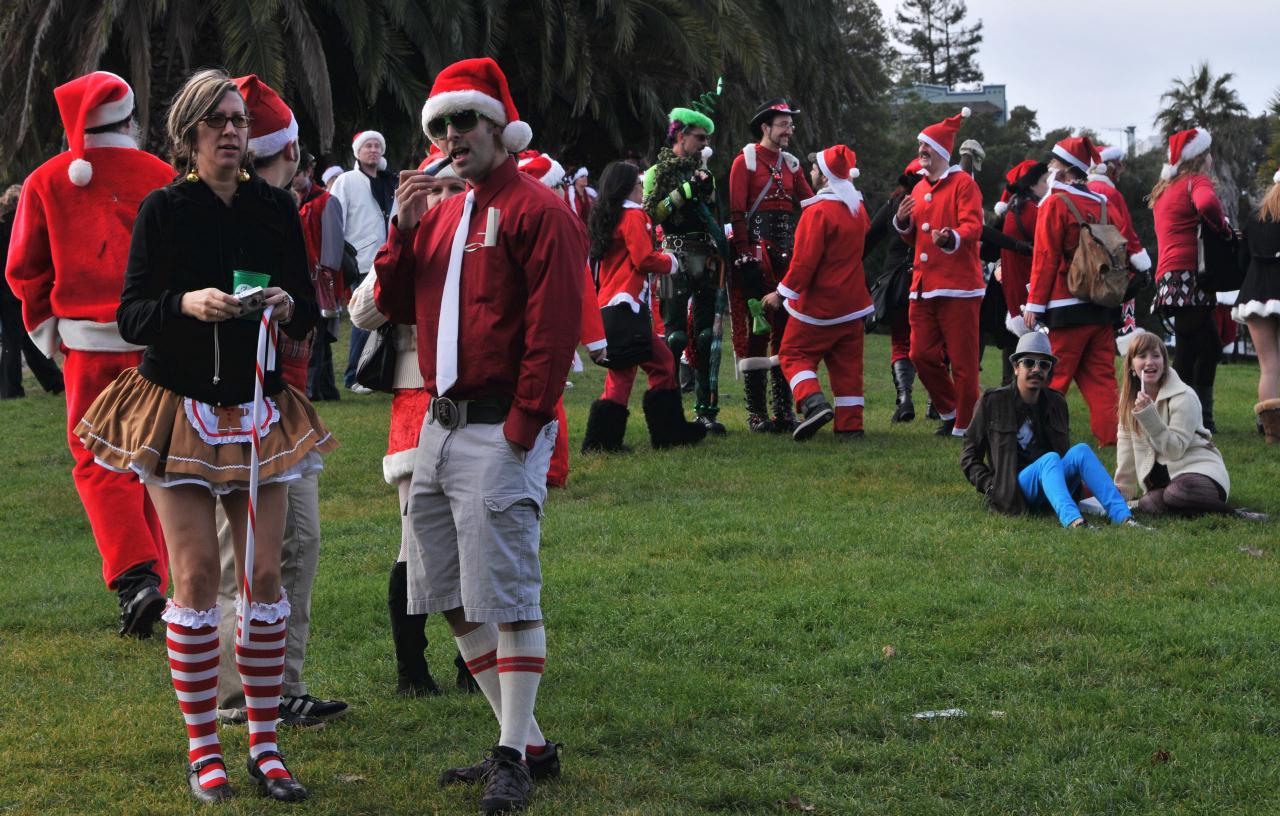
pixel 622 245
pixel 826 296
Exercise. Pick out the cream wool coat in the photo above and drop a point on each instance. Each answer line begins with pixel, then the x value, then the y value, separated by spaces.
pixel 1171 432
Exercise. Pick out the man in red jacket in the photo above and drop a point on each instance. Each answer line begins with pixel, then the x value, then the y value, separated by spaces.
pixel 942 219
pixel 66 264
pixel 826 296
pixel 493 280
pixel 1081 332
pixel 766 186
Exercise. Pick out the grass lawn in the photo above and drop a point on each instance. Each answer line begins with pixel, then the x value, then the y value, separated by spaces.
pixel 720 622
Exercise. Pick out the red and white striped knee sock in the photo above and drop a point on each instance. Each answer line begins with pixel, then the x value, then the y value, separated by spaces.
pixel 479 648
pixel 522 654
pixel 192 640
pixel 261 666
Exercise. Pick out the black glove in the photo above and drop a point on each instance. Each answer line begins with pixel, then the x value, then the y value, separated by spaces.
pixel 1023 248
pixel 701 185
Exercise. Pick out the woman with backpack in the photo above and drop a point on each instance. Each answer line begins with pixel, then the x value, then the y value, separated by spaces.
pixel 1183 200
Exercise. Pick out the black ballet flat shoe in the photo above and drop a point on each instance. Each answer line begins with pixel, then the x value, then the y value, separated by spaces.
pixel 209 796
pixel 283 789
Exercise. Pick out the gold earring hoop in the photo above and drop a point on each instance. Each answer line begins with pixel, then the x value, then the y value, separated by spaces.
pixel 244 175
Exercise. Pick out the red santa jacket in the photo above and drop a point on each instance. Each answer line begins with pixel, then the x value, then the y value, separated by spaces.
pixel 1178 211
pixel 520 294
pixel 631 259
pixel 1057 236
pixel 1015 268
pixel 750 172
pixel 825 284
pixel 953 201
pixel 70 244
pixel 592 333
pixel 1118 214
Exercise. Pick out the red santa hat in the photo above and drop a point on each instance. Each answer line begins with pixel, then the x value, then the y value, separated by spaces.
pixel 840 166
pixel 913 168
pixel 274 126
pixel 1183 145
pixel 437 164
pixel 1077 151
pixel 542 167
pixel 478 85
pixel 1109 153
pixel 364 136
pixel 1015 174
pixel 331 173
pixel 942 136
pixel 93 100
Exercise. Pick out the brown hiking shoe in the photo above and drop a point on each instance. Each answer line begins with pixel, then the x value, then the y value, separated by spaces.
pixel 541 767
pixel 507 783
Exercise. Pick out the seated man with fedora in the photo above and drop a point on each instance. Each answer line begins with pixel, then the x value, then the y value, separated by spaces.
pixel 1018 452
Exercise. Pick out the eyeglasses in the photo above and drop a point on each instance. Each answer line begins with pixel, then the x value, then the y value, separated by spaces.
pixel 218 121
pixel 462 121
pixel 1035 365
pixel 787 126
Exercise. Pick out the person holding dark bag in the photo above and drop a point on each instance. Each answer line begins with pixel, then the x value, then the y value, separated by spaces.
pixel 1186 206
pixel 182 419
pixel 622 247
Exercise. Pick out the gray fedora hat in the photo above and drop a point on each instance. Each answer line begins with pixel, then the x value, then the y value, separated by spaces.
pixel 1033 343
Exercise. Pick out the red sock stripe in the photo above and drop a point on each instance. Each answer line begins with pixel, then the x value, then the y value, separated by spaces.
pixel 524 663
pixel 202 739
pixel 262 682
pixel 483 663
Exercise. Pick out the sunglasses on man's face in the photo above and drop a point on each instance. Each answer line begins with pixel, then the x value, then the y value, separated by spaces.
pixel 1035 365
pixel 218 121
pixel 463 122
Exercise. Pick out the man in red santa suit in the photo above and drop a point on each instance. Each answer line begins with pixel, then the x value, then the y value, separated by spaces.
pixel 66 264
pixel 551 173
pixel 766 186
pixel 825 293
pixel 942 219
pixel 494 282
pixel 1102 180
pixel 1080 331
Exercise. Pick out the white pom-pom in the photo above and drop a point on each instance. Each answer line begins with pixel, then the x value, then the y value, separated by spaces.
pixel 925 226
pixel 1168 171
pixel 706 153
pixel 965 112
pixel 1276 177
pixel 80 172
pixel 1001 207
pixel 854 173
pixel 516 136
pixel 382 162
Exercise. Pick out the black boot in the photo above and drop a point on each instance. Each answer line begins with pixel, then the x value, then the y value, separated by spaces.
pixel 141 601
pixel 664 415
pixel 753 387
pixel 784 416
pixel 904 379
pixel 465 682
pixel 817 412
pixel 606 427
pixel 409 636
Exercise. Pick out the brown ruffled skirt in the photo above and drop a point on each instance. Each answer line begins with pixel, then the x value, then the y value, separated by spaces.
pixel 140 427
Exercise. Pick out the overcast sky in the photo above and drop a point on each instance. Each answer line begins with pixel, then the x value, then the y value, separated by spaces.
pixel 1121 55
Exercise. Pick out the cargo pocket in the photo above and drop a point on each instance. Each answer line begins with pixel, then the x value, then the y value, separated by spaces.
pixel 513 560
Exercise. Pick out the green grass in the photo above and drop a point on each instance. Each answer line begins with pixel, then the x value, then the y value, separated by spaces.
pixel 717 622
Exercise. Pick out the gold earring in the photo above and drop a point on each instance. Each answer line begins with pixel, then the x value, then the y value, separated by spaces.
pixel 192 176
pixel 244 175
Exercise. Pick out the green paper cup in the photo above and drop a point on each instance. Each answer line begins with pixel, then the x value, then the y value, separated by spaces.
pixel 242 279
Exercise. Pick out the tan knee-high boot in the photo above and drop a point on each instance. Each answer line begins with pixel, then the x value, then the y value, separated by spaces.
pixel 1268 413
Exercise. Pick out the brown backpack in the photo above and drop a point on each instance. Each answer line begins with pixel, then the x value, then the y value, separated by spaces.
pixel 1099 271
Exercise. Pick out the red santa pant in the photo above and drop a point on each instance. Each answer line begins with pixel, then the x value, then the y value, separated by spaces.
pixel 1087 354
pixel 804 345
pixel 899 337
pixel 943 329
pixel 125 525
pixel 661 370
pixel 558 469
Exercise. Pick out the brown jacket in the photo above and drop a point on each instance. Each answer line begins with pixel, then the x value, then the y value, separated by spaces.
pixel 990 456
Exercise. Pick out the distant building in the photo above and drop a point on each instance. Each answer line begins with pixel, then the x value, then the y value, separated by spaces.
pixel 979 98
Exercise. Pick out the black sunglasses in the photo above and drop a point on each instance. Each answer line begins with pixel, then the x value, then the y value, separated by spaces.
pixel 1036 365
pixel 462 121
pixel 218 121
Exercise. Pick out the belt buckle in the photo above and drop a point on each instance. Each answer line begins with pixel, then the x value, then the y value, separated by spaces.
pixel 446 412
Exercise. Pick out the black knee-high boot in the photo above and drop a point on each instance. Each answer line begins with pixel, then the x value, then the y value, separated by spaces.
pixel 409 635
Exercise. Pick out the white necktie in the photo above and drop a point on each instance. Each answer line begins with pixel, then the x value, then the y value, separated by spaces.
pixel 447 331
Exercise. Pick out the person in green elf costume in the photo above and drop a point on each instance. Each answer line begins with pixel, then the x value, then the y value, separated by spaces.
pixel 680 195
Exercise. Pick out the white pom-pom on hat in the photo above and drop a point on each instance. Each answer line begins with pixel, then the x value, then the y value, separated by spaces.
pixel 1276 177
pixel 1001 207
pixel 966 112
pixel 516 136
pixel 80 172
pixel 854 173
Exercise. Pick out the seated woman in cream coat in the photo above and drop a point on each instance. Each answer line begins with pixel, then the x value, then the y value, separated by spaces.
pixel 1163 451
